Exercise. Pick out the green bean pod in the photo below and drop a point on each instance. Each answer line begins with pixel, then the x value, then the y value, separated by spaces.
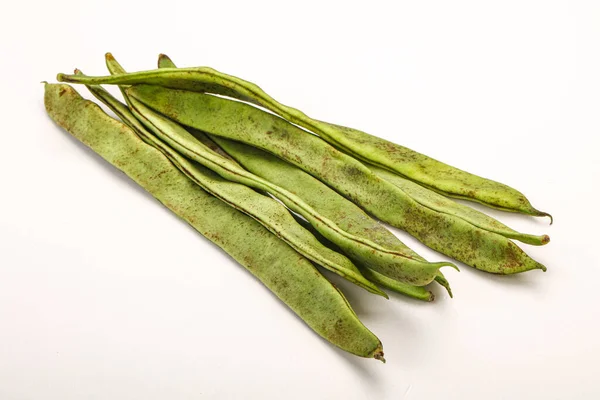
pixel 437 202
pixel 426 171
pixel 319 196
pixel 265 210
pixel 415 166
pixel 282 270
pixel 234 120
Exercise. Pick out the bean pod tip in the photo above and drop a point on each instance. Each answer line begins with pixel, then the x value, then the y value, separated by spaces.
pixel 544 214
pixel 447 264
pixel 378 354
pixel 546 238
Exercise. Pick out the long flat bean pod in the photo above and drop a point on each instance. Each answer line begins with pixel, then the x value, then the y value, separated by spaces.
pixel 418 167
pixel 287 274
pixel 435 201
pixel 267 211
pixel 319 196
pixel 234 120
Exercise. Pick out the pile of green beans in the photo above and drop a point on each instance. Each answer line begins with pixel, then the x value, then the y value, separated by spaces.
pixel 282 200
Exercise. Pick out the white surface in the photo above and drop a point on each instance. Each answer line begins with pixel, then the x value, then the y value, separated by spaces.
pixel 104 294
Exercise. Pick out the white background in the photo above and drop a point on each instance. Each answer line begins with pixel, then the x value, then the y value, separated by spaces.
pixel 104 294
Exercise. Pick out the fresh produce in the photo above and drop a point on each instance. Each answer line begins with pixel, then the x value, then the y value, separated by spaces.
pixel 277 197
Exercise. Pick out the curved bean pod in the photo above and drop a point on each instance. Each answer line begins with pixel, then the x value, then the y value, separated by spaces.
pixel 445 205
pixel 427 171
pixel 234 120
pixel 288 275
pixel 416 292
